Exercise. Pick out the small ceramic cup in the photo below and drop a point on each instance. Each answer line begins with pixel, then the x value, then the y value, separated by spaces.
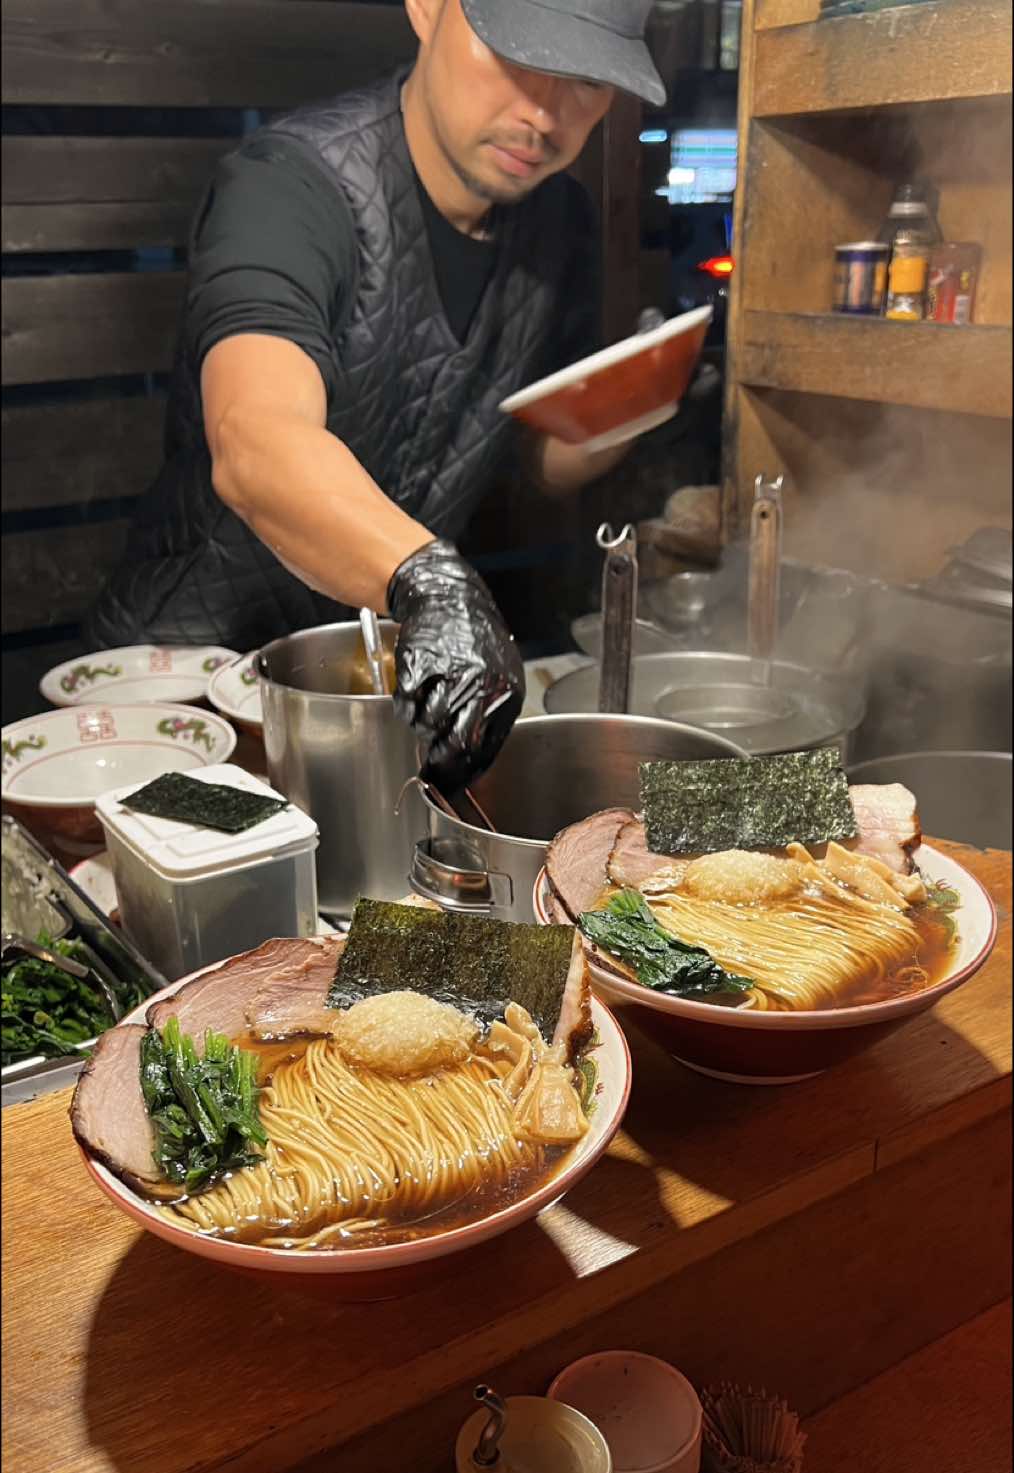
pixel 540 1436
pixel 648 1413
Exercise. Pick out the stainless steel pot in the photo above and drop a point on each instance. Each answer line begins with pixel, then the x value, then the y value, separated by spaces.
pixel 552 771
pixel 964 796
pixel 649 639
pixel 723 694
pixel 342 755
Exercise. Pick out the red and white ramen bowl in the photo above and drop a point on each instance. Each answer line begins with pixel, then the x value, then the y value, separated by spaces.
pixel 747 1047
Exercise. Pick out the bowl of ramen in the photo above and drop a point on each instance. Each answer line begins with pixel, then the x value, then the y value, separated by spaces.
pixel 766 963
pixel 355 1108
pixel 622 391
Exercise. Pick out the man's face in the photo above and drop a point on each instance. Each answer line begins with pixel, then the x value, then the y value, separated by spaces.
pixel 502 128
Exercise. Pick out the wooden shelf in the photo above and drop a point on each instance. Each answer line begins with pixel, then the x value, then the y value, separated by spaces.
pixel 925 365
pixel 933 52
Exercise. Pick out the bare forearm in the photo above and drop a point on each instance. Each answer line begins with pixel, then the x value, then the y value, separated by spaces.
pixel 306 496
pixel 562 469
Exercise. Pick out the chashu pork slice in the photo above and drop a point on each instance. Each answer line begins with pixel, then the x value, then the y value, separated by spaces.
pixel 108 1115
pixel 887 817
pixel 221 999
pixel 576 859
pixel 290 1006
pixel 631 862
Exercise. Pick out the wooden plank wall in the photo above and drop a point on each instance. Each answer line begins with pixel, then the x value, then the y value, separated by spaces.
pixel 115 114
pixel 97 197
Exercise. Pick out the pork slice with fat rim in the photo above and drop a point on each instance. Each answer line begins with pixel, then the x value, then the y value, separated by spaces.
pixel 108 1114
pixel 888 821
pixel 576 859
pixel 288 1006
pixel 631 862
pixel 219 999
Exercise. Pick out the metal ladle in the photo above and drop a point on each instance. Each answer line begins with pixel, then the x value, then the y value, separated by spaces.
pixel 765 574
pixel 619 603
pixel 374 647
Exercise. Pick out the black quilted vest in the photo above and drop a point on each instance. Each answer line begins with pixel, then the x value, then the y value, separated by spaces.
pixel 416 407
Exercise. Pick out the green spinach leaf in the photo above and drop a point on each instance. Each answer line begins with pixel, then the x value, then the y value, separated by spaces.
pixel 628 930
pixel 204 1109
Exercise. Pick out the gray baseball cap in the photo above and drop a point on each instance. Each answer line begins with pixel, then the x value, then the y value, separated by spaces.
pixel 597 40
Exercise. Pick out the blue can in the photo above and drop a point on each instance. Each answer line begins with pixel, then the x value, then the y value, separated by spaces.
pixel 860 277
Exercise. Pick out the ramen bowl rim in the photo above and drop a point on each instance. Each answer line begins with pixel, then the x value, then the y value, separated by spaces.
pixel 800 1019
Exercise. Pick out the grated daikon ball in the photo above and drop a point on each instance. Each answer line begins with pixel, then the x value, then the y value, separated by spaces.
pixel 742 877
pixel 404 1033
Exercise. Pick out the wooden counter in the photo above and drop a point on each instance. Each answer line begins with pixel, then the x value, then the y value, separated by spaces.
pixel 808 1237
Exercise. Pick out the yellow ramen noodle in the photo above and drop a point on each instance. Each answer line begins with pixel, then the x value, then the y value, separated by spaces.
pixel 351 1150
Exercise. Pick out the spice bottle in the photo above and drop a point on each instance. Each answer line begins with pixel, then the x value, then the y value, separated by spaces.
pixel 906 280
pixel 910 230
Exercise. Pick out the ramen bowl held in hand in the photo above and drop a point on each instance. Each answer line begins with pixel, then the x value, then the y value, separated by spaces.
pixel 620 392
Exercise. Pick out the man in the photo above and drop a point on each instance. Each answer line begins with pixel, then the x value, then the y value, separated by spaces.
pixel 369 278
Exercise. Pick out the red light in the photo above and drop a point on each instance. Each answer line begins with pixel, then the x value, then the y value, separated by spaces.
pixel 717 266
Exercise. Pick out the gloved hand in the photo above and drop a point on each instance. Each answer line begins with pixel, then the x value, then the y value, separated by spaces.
pixel 460 680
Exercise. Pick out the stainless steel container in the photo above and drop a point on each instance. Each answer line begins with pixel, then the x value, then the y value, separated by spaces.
pixel 342 755
pixel 649 639
pixel 38 895
pixel 964 796
pixel 552 771
pixel 723 694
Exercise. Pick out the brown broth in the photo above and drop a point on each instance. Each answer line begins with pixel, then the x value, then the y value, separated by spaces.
pixel 933 955
pixel 444 1218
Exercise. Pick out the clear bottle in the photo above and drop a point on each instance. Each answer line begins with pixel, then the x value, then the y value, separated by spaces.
pixel 910 230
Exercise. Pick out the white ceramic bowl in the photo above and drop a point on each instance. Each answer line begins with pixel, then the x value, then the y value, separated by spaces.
pixel 379 1271
pixel 134 675
pixel 750 1047
pixel 56 765
pixel 234 689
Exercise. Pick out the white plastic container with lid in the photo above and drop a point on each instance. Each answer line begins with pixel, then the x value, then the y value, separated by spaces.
pixel 190 896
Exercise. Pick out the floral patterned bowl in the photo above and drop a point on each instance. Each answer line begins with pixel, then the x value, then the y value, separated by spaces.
pixel 234 689
pixel 135 675
pixel 57 764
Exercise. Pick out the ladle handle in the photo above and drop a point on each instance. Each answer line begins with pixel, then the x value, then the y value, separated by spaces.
pixel 374 647
pixel 619 603
pixel 765 568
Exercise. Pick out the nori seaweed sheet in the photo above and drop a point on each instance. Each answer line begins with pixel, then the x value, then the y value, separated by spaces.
pixel 752 803
pixel 205 805
pixel 475 964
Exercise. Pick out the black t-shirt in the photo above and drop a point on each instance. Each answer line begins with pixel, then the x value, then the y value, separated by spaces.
pixel 275 252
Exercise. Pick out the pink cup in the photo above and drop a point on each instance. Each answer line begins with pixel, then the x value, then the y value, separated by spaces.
pixel 648 1413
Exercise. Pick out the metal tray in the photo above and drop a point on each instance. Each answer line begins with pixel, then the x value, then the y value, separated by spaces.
pixel 48 898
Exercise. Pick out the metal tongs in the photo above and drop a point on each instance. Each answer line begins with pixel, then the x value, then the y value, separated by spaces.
pixel 94 971
pixel 619 603
pixel 765 574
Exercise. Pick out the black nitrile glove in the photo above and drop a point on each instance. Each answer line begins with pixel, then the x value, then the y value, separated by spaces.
pixel 460 681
